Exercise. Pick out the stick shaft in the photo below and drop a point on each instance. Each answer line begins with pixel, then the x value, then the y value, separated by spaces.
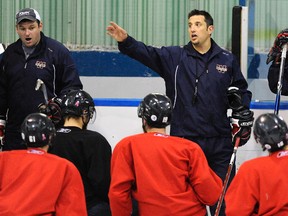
pixel 227 177
pixel 280 79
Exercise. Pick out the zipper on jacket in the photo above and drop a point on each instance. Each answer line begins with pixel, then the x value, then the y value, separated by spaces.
pixel 175 87
pixel 195 91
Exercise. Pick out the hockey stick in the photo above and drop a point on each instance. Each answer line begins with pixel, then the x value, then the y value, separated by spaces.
pixel 279 85
pixel 2 49
pixel 225 184
pixel 41 85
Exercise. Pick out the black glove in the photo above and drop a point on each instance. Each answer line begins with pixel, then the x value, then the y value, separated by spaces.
pixel 275 51
pixel 234 96
pixel 52 109
pixel 241 124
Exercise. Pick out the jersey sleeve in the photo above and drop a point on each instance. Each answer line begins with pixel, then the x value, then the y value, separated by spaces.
pixel 243 189
pixel 71 200
pixel 67 76
pixel 206 184
pixel 3 88
pixel 122 180
pixel 160 60
pixel 239 81
pixel 99 158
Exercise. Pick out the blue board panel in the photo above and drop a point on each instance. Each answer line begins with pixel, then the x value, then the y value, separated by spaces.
pixel 96 63
pixel 115 64
pixel 117 102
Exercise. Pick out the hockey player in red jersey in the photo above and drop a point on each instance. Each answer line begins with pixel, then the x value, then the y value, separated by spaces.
pixel 260 185
pixel 166 175
pixel 34 182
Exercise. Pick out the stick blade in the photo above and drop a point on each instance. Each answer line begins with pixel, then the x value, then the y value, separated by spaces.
pixel 2 48
pixel 39 82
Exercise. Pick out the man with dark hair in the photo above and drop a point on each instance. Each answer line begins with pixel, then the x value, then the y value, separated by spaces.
pixel 33 56
pixel 197 77
pixel 165 175
pixel 34 182
pixel 260 185
pixel 88 150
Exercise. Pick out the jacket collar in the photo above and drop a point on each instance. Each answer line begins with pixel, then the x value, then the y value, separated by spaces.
pixel 40 46
pixel 214 48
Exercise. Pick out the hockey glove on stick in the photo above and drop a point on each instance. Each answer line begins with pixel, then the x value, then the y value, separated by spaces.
pixel 241 124
pixel 275 51
pixel 52 109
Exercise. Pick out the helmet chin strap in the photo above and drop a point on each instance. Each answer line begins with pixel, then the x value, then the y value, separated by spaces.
pixel 84 124
pixel 144 125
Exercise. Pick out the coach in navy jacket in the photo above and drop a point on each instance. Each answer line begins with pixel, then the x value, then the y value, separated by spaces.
pixel 22 64
pixel 197 77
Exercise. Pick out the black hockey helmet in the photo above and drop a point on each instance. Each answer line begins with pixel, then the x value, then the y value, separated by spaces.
pixel 270 130
pixel 78 103
pixel 156 109
pixel 37 130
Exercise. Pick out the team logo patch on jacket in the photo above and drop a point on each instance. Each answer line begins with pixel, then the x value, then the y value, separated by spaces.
pixel 221 68
pixel 40 64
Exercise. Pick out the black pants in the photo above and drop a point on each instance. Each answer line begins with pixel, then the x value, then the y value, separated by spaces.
pixel 13 141
pixel 102 209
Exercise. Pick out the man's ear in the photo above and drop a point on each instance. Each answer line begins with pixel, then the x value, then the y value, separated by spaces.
pixel 40 26
pixel 210 29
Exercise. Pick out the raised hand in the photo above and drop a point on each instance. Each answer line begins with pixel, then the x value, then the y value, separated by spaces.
pixel 116 32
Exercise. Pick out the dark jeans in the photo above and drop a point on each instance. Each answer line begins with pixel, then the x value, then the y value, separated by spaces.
pixel 101 209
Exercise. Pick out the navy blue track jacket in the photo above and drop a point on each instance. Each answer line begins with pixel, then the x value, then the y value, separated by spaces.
pixel 51 62
pixel 202 113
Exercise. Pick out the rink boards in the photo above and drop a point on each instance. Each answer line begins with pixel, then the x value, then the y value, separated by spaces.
pixel 117 118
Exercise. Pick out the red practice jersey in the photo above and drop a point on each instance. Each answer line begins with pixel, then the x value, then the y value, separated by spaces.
pixel 260 187
pixel 166 175
pixel 33 182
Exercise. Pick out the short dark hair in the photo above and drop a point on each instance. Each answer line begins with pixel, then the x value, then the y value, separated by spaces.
pixel 208 17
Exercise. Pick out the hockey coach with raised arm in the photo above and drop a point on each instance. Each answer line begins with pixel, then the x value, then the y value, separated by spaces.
pixel 197 77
